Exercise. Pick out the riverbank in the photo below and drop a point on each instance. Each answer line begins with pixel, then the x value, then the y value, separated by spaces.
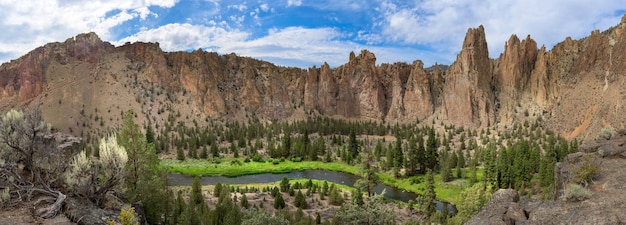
pixel 317 205
pixel 230 167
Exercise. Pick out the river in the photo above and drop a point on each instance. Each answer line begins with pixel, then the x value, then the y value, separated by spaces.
pixel 175 179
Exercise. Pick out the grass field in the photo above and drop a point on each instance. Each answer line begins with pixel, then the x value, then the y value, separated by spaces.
pixel 230 167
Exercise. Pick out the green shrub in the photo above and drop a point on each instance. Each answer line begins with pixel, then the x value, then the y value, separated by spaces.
pixel 576 192
pixel 588 168
pixel 607 133
pixel 416 180
pixel 296 159
pixel 258 158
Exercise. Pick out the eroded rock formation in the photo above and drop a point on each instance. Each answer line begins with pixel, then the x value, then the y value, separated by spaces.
pixel 576 87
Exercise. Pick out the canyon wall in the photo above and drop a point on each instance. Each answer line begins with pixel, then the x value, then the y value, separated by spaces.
pixel 576 87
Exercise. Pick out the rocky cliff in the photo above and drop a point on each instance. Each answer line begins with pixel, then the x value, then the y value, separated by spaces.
pixel 576 87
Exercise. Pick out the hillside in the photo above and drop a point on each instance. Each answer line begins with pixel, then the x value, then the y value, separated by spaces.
pixel 84 84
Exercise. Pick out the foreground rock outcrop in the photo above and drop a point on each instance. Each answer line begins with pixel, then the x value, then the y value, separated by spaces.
pixel 605 206
pixel 576 87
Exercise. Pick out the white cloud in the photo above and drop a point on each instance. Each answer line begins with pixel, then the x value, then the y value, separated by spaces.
pixel 294 3
pixel 265 7
pixel 241 7
pixel 176 37
pixel 442 24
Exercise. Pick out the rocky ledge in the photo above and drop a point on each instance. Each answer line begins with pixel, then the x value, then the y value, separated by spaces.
pixel 605 205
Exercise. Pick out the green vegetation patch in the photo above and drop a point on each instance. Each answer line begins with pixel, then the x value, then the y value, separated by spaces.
pixel 231 167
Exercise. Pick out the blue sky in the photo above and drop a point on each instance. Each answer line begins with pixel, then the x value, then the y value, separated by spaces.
pixel 303 33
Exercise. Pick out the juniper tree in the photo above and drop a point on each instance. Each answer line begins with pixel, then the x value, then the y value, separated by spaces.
pixel 429 194
pixel 145 181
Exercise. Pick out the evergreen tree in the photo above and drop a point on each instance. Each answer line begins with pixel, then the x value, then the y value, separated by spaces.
pixel 279 202
pixel 471 201
pixel 444 161
pixel 389 157
pixel 378 150
pixel 473 170
pixel 432 144
pixel 412 165
pixel 217 189
pixel 429 194
pixel 334 198
pixel 234 150
pixel 460 164
pixel 420 155
pixel 318 218
pixel 179 207
pixel 244 201
pixel 196 192
pixel 353 145
pixel 324 189
pixel 357 197
pixel 371 179
pixel 180 154
pixel 300 200
pixel 145 181
pixel 149 133
pixel 398 154
pixel 193 151
pixel 214 150
pixel 489 158
pixel 284 184
pixel 204 154
pixel 306 144
pixel 286 147
pixel 226 211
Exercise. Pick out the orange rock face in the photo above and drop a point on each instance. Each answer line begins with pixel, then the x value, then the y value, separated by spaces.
pixel 558 85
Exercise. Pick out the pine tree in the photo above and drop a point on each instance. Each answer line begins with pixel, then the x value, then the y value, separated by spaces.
pixel 429 194
pixel 390 157
pixel 378 150
pixel 354 145
pixel 234 150
pixel 145 181
pixel 180 154
pixel 300 200
pixel 244 201
pixel 306 143
pixel 444 161
pixel 371 179
pixel 412 166
pixel 284 184
pixel 214 150
pixel 217 189
pixel 279 202
pixel 318 218
pixel 334 197
pixel 193 151
pixel 421 155
pixel 204 154
pixel 286 146
pixel 489 158
pixel 398 154
pixel 324 189
pixel 196 192
pixel 357 197
pixel 432 144
pixel 149 133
